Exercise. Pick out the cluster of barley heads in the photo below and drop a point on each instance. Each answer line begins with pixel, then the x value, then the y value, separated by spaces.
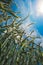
pixel 15 48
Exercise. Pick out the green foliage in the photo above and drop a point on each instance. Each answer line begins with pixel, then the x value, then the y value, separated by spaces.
pixel 14 48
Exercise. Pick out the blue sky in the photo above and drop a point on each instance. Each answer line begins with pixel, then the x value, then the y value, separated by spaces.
pixel 26 7
pixel 35 10
pixel 29 7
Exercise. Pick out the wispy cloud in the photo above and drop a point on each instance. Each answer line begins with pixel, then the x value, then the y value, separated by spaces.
pixel 25 9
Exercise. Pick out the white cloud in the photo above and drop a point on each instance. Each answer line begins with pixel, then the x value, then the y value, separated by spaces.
pixel 24 11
